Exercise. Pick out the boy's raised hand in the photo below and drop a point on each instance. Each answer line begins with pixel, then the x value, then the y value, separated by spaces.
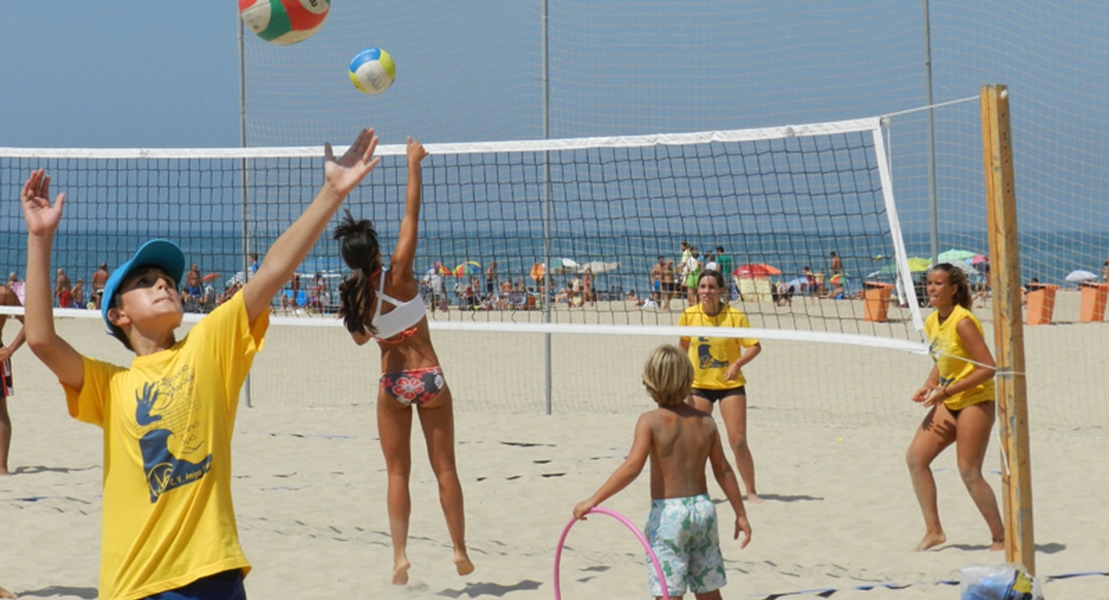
pixel 345 173
pixel 42 218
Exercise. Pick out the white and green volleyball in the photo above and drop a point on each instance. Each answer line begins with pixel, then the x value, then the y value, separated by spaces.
pixel 284 21
pixel 372 70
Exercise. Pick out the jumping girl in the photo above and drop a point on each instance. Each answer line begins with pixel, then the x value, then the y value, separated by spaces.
pixel 384 304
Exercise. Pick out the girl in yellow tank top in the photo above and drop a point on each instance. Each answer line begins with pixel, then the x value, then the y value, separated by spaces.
pixel 951 357
pixel 716 365
pixel 960 393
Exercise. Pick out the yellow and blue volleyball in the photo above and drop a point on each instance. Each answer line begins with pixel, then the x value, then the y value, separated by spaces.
pixel 372 71
pixel 284 21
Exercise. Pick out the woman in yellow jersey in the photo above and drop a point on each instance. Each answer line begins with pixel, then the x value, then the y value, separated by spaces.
pixel 960 392
pixel 716 367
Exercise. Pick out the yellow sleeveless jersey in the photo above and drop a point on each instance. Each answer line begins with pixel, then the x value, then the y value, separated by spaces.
pixel 951 357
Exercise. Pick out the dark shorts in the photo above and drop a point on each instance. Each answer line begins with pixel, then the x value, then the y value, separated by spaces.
pixel 715 396
pixel 227 585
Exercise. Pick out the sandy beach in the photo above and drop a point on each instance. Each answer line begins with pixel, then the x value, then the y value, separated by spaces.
pixel 829 428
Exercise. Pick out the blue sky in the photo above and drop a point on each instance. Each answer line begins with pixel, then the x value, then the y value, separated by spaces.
pixel 127 73
pixel 134 73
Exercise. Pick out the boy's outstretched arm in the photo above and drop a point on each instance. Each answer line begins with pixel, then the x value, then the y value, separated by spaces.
pixel 726 478
pixel 38 321
pixel 625 473
pixel 340 177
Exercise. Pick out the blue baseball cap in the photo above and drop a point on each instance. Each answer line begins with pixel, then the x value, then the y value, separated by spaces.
pixel 161 253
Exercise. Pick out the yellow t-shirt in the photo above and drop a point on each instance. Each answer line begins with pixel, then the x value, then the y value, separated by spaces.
pixel 950 356
pixel 168 518
pixel 712 356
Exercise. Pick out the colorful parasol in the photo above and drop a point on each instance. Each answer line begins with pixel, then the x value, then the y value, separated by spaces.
pixel 469 267
pixel 756 270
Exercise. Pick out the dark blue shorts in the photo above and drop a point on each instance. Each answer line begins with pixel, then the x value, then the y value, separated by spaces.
pixel 227 585
pixel 715 396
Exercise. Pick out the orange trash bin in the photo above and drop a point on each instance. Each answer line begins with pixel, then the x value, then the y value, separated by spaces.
pixel 1041 305
pixel 876 301
pixel 1094 296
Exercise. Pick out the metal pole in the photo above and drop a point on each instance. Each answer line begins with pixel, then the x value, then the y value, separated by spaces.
pixel 243 178
pixel 932 204
pixel 544 298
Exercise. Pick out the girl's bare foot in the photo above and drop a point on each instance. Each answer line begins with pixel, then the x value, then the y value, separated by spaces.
pixel 931 540
pixel 400 571
pixel 462 562
pixel 6 594
pixel 998 544
pixel 753 498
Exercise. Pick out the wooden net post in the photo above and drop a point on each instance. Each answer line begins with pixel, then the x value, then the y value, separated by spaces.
pixel 1012 407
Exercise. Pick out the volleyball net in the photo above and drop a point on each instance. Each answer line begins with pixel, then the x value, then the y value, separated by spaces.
pixel 558 236
pixel 593 228
pixel 544 263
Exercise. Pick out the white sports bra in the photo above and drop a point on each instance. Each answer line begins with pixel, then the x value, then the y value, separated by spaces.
pixel 403 316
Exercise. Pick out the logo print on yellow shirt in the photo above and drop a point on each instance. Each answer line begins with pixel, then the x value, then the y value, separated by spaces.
pixel 164 471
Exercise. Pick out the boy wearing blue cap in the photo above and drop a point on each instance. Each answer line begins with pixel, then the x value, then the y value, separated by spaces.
pixel 168 521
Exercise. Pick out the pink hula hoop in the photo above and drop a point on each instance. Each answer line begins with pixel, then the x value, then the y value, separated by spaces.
pixel 629 525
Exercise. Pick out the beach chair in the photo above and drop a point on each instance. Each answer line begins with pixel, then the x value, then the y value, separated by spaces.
pixel 190 304
pixel 301 299
pixel 207 302
pixel 615 292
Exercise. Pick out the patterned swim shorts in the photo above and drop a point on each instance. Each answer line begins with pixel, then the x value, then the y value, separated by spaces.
pixel 682 534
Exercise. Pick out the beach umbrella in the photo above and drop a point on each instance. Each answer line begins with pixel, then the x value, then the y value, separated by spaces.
pixel 953 255
pixel 755 270
pixel 597 266
pixel 839 279
pixel 560 266
pixel 470 267
pixel 1080 275
pixel 441 269
pixel 967 268
pixel 210 277
pixel 978 259
pixel 798 284
pixel 916 265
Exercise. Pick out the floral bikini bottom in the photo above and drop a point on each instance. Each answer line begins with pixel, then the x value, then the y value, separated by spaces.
pixel 414 386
